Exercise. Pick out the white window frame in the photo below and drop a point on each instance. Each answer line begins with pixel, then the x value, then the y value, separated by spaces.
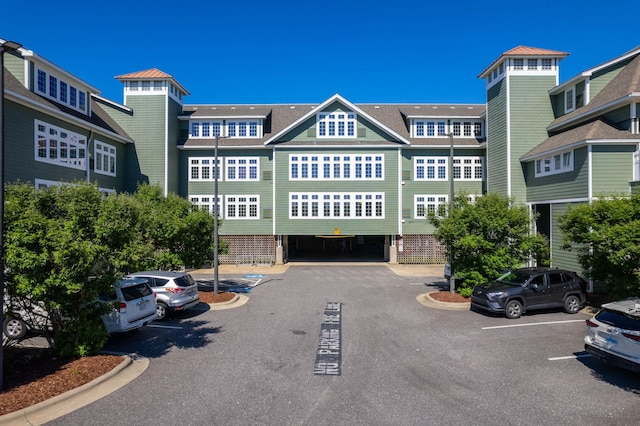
pixel 429 128
pixel 207 202
pixel 234 167
pixel 242 128
pixel 341 205
pixel 424 203
pixel 475 165
pixel 203 166
pixel 561 162
pixel 336 124
pixel 344 167
pixel 53 87
pixel 49 140
pixel 245 203
pixel 421 166
pixel 102 153
pixel 570 99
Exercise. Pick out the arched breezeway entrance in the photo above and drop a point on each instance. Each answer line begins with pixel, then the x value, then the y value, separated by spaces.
pixel 336 248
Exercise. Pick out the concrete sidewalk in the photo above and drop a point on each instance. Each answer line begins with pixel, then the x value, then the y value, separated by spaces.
pixel 402 270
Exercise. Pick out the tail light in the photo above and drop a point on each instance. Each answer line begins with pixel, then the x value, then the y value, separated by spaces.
pixel 175 290
pixel 635 337
pixel 591 323
pixel 123 307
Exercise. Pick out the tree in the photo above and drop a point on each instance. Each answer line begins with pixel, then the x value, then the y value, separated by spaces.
pixel 606 236
pixel 66 245
pixel 487 237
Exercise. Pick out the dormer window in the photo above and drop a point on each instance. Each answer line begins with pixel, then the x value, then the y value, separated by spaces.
pixel 240 129
pixel 336 125
pixel 53 87
pixel 570 100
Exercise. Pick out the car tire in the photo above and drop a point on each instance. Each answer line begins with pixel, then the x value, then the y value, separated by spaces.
pixel 572 304
pixel 513 309
pixel 161 310
pixel 14 328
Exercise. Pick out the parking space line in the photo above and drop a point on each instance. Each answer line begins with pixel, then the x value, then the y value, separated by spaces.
pixel 173 327
pixel 530 323
pixel 560 358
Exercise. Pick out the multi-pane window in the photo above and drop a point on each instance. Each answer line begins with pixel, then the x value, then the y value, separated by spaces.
pixel 52 86
pixel 243 129
pixel 467 168
pixel 532 64
pixel 336 167
pixel 518 64
pixel 207 202
pixel 430 168
pixel 558 163
pixel 546 63
pixel 241 168
pixel 429 129
pixel 59 146
pixel 424 205
pixel 234 129
pixel 336 125
pixel 341 205
pixel 570 99
pixel 146 86
pixel 242 206
pixel 202 168
pixel 158 86
pixel 105 156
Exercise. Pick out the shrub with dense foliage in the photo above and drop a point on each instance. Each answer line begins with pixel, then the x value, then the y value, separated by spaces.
pixel 606 236
pixel 66 245
pixel 487 237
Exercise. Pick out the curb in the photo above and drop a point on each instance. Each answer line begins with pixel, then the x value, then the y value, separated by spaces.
pixel 426 300
pixel 236 302
pixel 67 402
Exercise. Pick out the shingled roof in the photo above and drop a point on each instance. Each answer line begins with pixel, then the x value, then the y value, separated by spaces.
pixel 597 130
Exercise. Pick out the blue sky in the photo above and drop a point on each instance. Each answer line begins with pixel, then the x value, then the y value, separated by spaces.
pixel 297 51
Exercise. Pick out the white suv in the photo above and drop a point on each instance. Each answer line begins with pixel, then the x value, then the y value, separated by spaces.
pixel 614 334
pixel 175 291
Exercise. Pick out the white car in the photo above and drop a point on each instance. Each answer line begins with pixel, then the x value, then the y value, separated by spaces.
pixel 614 334
pixel 134 306
pixel 175 291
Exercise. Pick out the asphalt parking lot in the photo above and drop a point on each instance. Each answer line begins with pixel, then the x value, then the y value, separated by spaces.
pixel 350 345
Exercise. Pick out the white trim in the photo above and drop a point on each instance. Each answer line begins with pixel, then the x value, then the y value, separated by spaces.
pixel 305 203
pixel 273 191
pixel 439 201
pixel 73 143
pixel 166 147
pixel 590 172
pixel 508 105
pixel 400 192
pixel 549 162
pixel 22 100
pixel 247 204
pixel 321 162
pixel 108 154
pixel 209 204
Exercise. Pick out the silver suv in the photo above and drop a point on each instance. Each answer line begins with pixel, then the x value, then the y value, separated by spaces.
pixel 614 334
pixel 175 291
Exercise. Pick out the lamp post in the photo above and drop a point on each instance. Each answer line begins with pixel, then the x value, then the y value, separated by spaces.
pixel 452 280
pixel 215 216
pixel 5 46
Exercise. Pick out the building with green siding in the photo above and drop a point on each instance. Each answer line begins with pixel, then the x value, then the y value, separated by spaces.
pixel 336 180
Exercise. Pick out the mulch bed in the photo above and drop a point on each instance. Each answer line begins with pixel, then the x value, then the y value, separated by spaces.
pixel 211 297
pixel 447 296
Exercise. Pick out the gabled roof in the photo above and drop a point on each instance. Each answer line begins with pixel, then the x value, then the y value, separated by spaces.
pixel 598 130
pixel 616 93
pixel 525 52
pixel 152 73
pixel 350 106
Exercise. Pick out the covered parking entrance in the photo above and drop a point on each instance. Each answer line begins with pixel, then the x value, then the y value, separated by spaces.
pixel 336 248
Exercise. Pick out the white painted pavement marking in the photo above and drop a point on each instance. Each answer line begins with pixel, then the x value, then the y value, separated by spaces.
pixel 530 323
pixel 559 358
pixel 173 327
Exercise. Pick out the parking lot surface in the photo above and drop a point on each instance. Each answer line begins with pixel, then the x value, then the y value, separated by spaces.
pixel 273 361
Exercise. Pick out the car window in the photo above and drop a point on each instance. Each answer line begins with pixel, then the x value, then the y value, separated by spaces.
pixel 619 319
pixel 517 278
pixel 537 280
pixel 555 278
pixel 159 282
pixel 136 291
pixel 183 281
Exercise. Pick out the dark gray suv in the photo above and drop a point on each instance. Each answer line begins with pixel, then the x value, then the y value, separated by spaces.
pixel 525 289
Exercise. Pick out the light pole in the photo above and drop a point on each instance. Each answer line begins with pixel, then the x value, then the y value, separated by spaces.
pixel 452 280
pixel 5 46
pixel 215 216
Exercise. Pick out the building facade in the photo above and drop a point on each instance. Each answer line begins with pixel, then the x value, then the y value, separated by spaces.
pixel 335 180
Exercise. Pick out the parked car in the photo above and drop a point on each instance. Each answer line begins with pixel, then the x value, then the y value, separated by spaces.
pixel 524 289
pixel 614 334
pixel 134 306
pixel 175 291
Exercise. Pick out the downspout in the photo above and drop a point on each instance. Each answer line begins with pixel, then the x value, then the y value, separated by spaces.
pixel 88 171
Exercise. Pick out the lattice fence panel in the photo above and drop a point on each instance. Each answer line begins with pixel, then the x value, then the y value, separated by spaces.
pixel 249 249
pixel 421 250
